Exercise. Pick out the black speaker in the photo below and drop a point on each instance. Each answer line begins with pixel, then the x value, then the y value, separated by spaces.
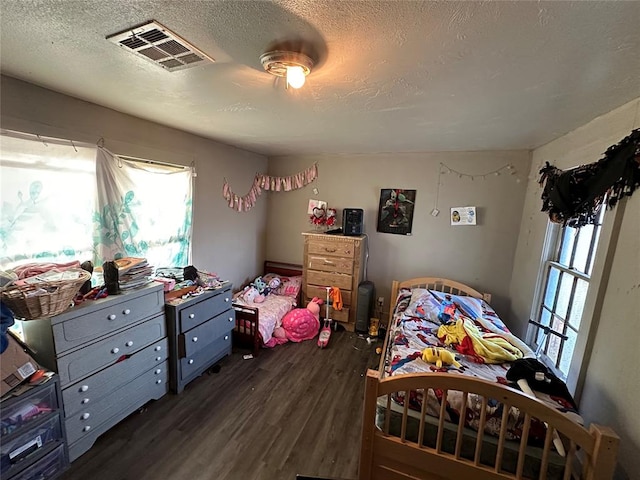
pixel 352 221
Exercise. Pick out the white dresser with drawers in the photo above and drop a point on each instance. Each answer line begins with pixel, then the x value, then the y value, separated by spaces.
pixel 111 356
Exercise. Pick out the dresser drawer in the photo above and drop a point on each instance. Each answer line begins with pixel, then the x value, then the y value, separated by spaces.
pixel 28 409
pixel 27 444
pixel 202 311
pixel 189 343
pixel 326 279
pixel 95 357
pixel 115 316
pixel 327 263
pixel 205 357
pixel 340 315
pixel 321 292
pixel 49 466
pixel 92 389
pixel 337 247
pixel 118 404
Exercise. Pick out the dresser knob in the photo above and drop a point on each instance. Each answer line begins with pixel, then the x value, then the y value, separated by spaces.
pixel 112 316
pixel 85 400
pixel 194 339
pixel 231 319
pixel 158 348
pixel 226 299
pixel 86 428
pixel 226 337
pixel 192 315
pixel 158 371
pixel 85 415
pixel 158 359
pixel 115 350
pixel 129 343
pixel 158 381
pixel 190 362
pixel 127 311
pixel 84 388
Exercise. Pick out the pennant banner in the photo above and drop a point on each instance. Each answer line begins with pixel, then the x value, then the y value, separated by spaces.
pixel 267 182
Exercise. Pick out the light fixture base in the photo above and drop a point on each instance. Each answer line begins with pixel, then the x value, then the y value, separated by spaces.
pixel 277 61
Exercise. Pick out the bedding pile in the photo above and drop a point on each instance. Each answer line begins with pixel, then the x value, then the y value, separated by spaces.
pixel 482 344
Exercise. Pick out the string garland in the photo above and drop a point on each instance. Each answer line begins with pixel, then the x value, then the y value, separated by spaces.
pixel 262 182
pixel 507 169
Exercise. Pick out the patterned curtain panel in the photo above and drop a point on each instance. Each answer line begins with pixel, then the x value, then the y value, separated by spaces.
pixel 142 210
pixel 47 190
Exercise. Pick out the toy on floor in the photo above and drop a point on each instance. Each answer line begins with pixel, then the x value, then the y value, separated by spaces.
pixel 325 333
pixel 439 356
pixel 303 323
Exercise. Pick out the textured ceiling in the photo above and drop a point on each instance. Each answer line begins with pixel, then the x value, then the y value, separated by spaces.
pixel 392 76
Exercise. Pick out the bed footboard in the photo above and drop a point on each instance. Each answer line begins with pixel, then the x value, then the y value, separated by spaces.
pixel 246 333
pixel 451 452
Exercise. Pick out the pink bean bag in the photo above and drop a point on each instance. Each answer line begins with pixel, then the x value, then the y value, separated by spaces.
pixel 303 323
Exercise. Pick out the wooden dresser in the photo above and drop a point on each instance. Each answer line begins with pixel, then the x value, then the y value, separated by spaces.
pixel 334 261
pixel 111 356
pixel 199 334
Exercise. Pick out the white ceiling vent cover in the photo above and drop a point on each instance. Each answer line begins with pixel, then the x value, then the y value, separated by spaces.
pixel 159 45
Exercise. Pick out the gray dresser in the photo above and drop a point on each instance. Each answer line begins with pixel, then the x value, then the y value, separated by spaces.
pixel 111 356
pixel 199 334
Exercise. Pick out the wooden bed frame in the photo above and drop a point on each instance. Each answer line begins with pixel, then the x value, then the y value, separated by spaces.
pixel 246 333
pixel 591 454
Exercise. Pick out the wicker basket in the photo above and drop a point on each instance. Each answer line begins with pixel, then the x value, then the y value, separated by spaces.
pixel 43 299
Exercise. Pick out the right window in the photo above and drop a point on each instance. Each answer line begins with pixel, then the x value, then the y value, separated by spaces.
pixel 566 275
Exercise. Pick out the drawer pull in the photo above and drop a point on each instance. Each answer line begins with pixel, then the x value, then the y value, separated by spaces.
pixel 330 250
pixel 192 315
pixel 226 337
pixel 115 350
pixel 112 316
pixel 86 428
pixel 231 319
pixel 84 388
pixel 190 362
pixel 158 359
pixel 129 343
pixel 226 299
pixel 85 415
pixel 158 371
pixel 158 348
pixel 85 401
pixel 328 262
pixel 194 339
pixel 126 311
pixel 158 381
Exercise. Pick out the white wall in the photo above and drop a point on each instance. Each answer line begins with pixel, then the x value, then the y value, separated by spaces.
pixel 224 241
pixel 480 256
pixel 612 383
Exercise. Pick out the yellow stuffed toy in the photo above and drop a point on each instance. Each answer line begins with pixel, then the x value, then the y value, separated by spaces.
pixel 439 356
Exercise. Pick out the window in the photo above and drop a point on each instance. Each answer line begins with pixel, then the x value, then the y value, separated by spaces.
pixel 59 204
pixel 565 280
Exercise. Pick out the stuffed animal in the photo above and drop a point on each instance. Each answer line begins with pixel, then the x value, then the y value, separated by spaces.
pixel 439 356
pixel 303 323
pixel 250 294
pixel 260 285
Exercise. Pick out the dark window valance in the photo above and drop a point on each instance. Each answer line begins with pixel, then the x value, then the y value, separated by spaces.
pixel 574 197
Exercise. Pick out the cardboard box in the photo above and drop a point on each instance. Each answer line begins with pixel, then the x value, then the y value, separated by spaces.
pixel 16 366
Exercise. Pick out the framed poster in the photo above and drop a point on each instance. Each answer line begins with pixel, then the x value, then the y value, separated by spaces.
pixel 395 214
pixel 463 216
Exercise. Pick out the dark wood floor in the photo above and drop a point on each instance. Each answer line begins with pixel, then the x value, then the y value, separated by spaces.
pixel 293 409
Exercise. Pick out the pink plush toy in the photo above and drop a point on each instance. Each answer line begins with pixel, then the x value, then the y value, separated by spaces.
pixel 303 323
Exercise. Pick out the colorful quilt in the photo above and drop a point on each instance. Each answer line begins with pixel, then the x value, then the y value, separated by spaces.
pixel 481 343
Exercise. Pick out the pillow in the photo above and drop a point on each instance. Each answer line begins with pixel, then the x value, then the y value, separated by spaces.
pixel 289 286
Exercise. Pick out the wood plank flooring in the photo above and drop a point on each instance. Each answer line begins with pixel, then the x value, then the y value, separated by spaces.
pixel 292 409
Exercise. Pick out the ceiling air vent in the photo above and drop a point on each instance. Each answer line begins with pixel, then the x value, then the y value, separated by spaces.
pixel 159 45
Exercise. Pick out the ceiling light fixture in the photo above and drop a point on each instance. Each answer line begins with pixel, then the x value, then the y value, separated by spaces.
pixel 293 66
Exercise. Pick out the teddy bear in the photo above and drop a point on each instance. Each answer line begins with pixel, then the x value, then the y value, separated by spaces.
pixel 302 323
pixel 439 356
pixel 250 294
